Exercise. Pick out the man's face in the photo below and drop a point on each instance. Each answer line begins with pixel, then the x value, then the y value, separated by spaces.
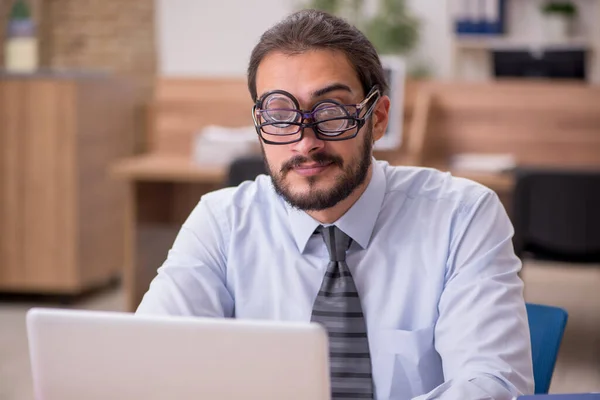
pixel 314 174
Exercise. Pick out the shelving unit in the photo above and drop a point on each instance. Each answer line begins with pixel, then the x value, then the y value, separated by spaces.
pixel 490 43
pixel 524 31
pixel 61 216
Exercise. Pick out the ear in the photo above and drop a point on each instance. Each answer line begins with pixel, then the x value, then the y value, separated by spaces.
pixel 381 115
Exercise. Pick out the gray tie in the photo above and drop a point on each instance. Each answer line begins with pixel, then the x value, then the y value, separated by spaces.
pixel 338 308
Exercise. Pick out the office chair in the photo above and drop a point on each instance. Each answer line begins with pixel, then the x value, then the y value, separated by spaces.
pixel 556 214
pixel 245 168
pixel 547 326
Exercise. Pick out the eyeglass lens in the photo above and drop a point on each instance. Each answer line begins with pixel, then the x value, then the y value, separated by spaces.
pixel 280 117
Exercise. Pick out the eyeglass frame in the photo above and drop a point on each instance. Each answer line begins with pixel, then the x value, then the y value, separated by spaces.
pixel 306 114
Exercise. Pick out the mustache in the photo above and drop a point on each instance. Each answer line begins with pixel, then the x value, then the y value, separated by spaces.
pixel 319 158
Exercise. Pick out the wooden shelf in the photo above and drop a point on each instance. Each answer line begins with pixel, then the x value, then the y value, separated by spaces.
pixel 473 42
pixel 524 31
pixel 61 220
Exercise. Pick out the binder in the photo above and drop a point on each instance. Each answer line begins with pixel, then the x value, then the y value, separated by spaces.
pixel 493 16
pixel 479 17
pixel 462 19
pixel 473 13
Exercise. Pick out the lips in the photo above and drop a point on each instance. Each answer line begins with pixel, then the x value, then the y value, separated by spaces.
pixel 313 165
pixel 309 166
pixel 312 169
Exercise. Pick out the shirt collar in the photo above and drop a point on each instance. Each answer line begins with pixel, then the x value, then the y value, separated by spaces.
pixel 358 222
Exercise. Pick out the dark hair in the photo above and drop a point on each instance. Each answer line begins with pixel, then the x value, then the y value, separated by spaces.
pixel 311 29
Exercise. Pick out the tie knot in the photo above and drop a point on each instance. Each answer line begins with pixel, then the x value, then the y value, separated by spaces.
pixel 337 242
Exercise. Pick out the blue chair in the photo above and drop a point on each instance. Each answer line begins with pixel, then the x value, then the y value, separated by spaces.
pixel 547 326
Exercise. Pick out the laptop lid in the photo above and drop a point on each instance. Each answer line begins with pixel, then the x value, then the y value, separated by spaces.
pixel 105 355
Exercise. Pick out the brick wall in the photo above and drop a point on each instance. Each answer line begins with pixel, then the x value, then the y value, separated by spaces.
pixel 111 35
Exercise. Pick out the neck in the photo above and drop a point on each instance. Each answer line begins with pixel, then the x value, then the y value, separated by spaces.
pixel 330 215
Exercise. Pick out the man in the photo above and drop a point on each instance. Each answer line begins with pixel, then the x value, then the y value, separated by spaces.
pixel 411 271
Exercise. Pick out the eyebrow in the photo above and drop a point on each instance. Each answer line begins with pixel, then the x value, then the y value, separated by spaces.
pixel 331 88
pixel 323 91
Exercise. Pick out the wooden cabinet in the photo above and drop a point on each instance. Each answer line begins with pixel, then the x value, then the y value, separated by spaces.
pixel 61 215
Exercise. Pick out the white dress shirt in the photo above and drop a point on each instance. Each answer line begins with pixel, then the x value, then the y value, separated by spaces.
pixel 433 263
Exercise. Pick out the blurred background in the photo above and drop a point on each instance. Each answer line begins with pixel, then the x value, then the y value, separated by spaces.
pixel 116 116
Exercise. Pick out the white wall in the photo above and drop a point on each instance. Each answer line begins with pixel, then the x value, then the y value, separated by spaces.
pixel 435 46
pixel 215 38
pixel 212 37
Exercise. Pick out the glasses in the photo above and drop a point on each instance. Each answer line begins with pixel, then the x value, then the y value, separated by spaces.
pixel 278 118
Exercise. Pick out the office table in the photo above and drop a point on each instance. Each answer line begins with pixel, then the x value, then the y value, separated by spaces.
pixel 163 190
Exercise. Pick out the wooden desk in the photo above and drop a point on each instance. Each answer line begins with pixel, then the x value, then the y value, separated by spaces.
pixel 503 183
pixel 164 186
pixel 538 123
pixel 163 190
pixel 441 119
pixel 157 168
pixel 162 193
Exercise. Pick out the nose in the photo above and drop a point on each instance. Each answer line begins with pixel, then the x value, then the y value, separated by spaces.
pixel 310 143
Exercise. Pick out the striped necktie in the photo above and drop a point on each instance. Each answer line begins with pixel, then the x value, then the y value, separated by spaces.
pixel 337 307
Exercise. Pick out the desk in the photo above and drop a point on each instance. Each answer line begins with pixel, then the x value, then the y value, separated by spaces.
pixel 162 192
pixel 441 119
pixel 501 183
pixel 164 185
pixel 155 167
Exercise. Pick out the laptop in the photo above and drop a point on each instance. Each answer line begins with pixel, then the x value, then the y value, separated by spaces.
pixel 119 356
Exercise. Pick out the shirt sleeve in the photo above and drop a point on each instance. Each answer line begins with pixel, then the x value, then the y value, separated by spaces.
pixel 482 333
pixel 192 280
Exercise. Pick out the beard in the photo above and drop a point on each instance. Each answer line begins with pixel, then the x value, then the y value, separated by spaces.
pixel 354 173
